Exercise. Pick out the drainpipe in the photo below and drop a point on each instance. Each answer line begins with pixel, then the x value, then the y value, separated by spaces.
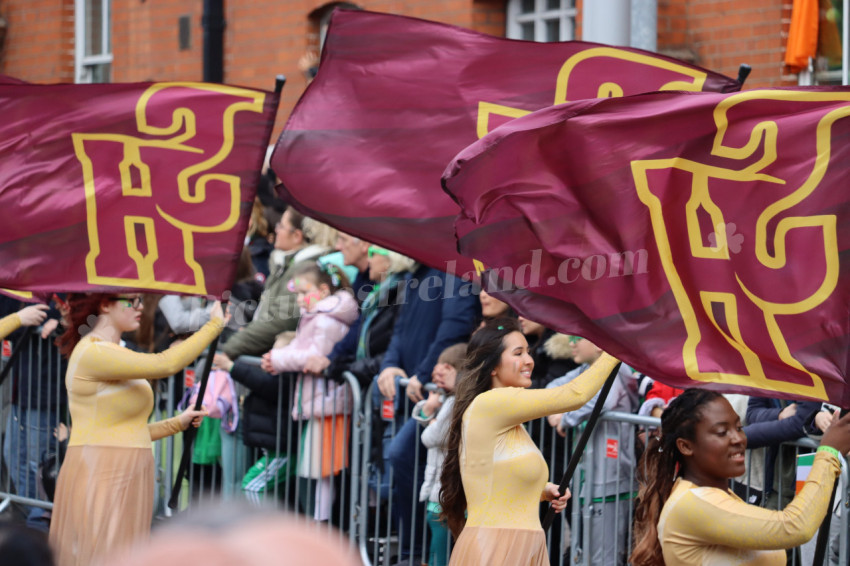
pixel 213 23
pixel 607 21
pixel 645 24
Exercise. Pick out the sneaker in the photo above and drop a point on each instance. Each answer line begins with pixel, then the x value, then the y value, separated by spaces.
pixel 265 474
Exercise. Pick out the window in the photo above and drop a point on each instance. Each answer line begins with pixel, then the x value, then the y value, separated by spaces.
pixel 93 51
pixel 831 63
pixel 184 33
pixel 542 20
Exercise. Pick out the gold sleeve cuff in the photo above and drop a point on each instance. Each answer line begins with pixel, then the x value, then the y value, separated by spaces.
pixel 164 428
pixel 588 384
pixel 9 324
pixel 218 322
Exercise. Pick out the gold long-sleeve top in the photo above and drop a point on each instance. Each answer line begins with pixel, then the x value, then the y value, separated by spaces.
pixel 503 471
pixel 9 324
pixel 706 525
pixel 109 396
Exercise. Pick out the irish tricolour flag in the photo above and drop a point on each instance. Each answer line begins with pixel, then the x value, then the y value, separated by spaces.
pixel 804 466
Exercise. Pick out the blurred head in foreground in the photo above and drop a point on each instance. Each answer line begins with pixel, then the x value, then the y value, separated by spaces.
pixel 229 534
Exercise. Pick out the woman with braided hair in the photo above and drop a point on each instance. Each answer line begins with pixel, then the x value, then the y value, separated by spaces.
pixel 687 514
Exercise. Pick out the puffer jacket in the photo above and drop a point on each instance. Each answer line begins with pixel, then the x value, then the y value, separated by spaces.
pixel 553 357
pixel 317 333
pixel 277 311
pixel 260 424
pixel 434 438
pixel 184 314
pixel 610 478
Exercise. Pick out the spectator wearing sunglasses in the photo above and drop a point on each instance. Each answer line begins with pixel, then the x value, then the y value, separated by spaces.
pixel 438 310
pixel 362 350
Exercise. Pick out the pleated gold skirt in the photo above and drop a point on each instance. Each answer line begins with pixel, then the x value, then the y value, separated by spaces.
pixel 103 504
pixel 500 547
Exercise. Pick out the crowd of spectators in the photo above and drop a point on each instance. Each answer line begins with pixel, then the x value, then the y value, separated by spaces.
pixel 314 303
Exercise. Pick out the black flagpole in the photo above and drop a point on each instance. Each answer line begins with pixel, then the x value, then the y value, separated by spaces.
pixel 16 354
pixel 582 442
pixel 190 433
pixel 823 533
pixel 743 72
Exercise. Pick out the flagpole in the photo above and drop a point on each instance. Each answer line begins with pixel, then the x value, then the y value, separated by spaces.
pixel 190 433
pixel 743 72
pixel 823 533
pixel 582 442
pixel 16 354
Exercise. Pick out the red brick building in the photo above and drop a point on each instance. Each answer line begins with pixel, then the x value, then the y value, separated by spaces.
pixel 138 40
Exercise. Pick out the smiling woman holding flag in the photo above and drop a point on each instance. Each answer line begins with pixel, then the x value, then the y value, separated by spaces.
pixel 492 468
pixel 687 515
pixel 104 494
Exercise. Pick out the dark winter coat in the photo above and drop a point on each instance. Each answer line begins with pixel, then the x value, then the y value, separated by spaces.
pixel 438 312
pixel 270 398
pixel 38 378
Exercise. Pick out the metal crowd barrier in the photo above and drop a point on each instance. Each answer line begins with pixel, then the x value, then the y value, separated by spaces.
pixel 28 422
pixel 293 492
pixel 377 540
pixel 31 407
pixel 596 524
pixel 582 543
pixel 596 529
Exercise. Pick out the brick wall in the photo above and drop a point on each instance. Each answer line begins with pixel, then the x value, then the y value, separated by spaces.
pixel 264 38
pixel 722 34
pixel 145 44
pixel 39 44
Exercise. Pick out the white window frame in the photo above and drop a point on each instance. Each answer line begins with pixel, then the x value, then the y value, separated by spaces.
pixel 565 16
pixel 83 64
pixel 812 75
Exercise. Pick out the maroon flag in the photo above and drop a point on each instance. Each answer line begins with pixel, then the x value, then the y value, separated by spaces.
pixel 144 186
pixel 26 296
pixel 702 238
pixel 396 98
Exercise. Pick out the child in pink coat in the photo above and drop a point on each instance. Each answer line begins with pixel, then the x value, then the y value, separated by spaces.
pixel 328 309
